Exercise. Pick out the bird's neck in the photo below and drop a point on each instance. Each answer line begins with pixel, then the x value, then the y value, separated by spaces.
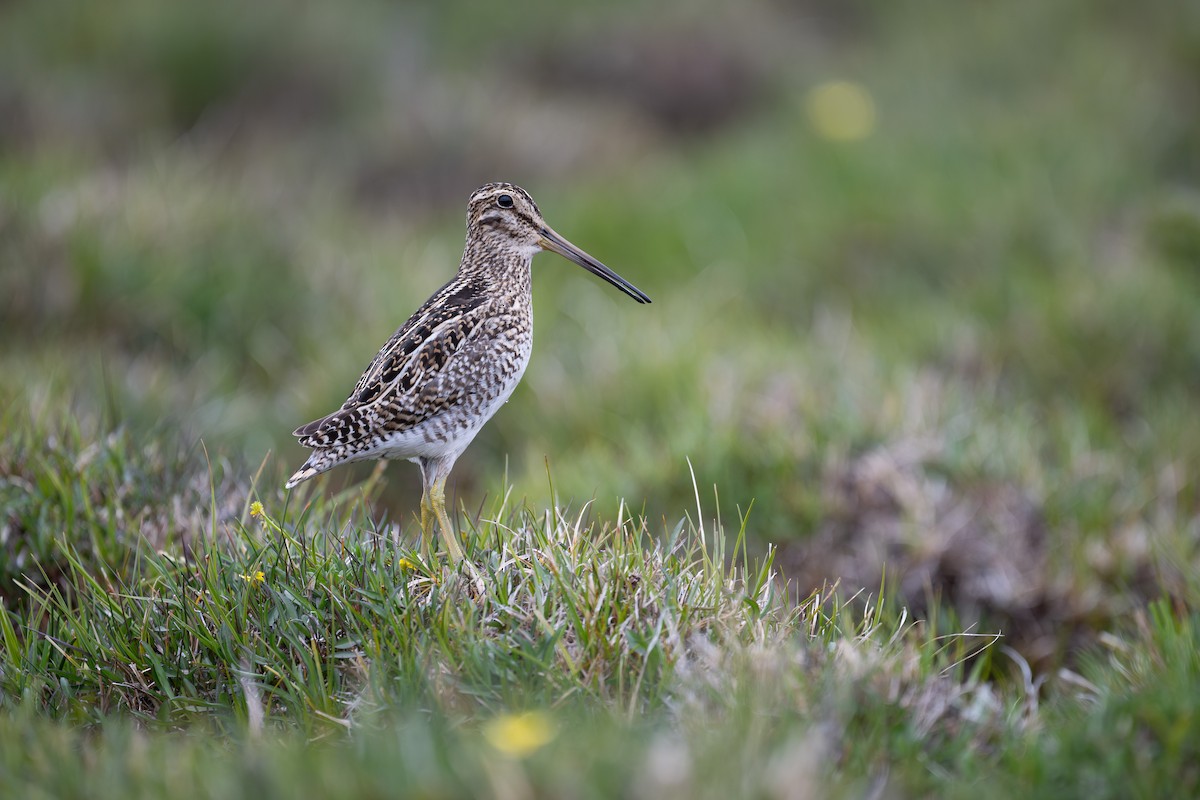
pixel 502 269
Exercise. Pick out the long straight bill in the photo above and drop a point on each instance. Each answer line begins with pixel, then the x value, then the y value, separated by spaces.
pixel 556 244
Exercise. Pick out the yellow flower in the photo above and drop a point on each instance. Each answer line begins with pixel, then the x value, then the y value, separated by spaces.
pixel 256 509
pixel 404 563
pixel 842 111
pixel 254 579
pixel 519 735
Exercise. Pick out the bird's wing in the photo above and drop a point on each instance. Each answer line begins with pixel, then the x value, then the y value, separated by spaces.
pixel 391 388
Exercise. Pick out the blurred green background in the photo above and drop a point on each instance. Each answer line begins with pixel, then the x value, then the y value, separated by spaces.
pixel 926 276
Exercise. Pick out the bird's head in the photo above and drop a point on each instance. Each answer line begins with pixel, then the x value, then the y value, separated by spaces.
pixel 504 216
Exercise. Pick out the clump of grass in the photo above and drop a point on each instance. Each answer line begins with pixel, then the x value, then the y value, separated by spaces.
pixel 277 620
pixel 561 649
pixel 328 614
pixel 1126 725
pixel 71 488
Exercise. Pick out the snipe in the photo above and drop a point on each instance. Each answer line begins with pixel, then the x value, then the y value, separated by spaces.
pixel 447 370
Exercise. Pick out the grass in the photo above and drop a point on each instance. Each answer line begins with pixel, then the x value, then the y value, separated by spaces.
pixel 282 643
pixel 551 608
pixel 892 489
pixel 303 626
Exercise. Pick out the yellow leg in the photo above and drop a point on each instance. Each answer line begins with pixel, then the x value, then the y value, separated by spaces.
pixel 437 499
pixel 426 524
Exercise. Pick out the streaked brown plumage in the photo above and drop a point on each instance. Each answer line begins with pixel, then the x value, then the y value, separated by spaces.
pixel 447 370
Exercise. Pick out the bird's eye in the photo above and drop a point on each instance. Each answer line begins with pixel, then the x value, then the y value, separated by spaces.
pixel 505 201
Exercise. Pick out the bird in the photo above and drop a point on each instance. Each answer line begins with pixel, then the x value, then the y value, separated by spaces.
pixel 453 364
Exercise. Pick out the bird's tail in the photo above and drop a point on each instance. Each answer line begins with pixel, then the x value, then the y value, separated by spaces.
pixel 318 461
